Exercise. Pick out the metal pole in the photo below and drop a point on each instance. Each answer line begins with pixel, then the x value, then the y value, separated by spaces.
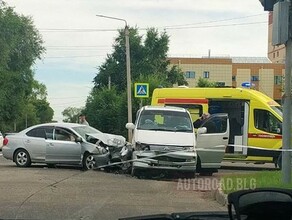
pixel 109 82
pixel 286 157
pixel 128 71
pixel 128 82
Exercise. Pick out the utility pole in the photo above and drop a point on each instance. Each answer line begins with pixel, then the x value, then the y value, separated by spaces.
pixel 287 142
pixel 282 34
pixel 129 94
pixel 286 154
pixel 109 82
pixel 128 69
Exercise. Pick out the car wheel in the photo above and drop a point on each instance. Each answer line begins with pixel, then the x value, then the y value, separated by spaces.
pixel 88 162
pixel 22 158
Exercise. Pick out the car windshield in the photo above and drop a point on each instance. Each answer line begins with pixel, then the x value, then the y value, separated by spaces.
pixel 83 130
pixel 164 120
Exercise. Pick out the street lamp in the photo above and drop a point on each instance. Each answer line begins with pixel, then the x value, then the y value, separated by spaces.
pixel 128 67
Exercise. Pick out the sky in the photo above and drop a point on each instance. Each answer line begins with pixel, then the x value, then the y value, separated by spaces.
pixel 77 41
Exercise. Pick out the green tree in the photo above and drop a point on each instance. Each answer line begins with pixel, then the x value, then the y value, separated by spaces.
pixel 202 82
pixel 107 109
pixel 20 47
pixel 71 114
pixel 103 110
pixel 36 108
pixel 148 57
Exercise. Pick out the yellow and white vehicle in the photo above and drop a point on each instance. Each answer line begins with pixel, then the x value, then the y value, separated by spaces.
pixel 255 119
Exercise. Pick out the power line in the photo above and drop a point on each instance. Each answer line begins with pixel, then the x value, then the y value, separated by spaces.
pixel 79 46
pixel 73 56
pixel 75 30
pixel 84 49
pixel 214 21
pixel 166 28
pixel 76 97
pixel 162 27
pixel 212 26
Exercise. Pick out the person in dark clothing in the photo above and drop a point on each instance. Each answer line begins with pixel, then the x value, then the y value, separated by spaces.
pixel 201 120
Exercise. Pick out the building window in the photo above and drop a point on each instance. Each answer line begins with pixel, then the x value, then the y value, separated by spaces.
pixel 277 53
pixel 190 74
pixel 278 80
pixel 206 74
pixel 273 55
pixel 233 78
pixel 255 78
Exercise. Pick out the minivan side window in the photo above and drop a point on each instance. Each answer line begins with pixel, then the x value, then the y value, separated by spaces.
pixel 266 121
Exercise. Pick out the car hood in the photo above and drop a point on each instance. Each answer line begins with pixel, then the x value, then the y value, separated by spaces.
pixel 164 138
pixel 109 139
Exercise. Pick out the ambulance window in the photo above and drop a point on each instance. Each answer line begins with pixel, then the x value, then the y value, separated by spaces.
pixel 266 121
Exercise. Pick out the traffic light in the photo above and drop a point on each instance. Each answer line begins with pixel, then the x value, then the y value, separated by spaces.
pixel 268 4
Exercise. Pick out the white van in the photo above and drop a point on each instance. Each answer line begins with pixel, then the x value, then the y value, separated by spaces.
pixel 163 139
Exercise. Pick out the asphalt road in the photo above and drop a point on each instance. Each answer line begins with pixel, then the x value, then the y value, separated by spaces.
pixel 39 192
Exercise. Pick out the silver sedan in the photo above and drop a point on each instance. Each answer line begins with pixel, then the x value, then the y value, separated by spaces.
pixel 61 143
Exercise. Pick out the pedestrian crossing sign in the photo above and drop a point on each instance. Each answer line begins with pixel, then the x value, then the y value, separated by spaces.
pixel 141 90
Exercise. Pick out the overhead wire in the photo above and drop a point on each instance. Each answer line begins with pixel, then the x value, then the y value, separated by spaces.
pixel 60 57
pixel 167 27
pixel 197 25
pixel 214 21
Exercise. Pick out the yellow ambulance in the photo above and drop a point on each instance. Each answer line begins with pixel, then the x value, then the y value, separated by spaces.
pixel 255 119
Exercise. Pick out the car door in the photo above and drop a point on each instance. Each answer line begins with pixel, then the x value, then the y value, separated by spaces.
pixel 35 143
pixel 212 139
pixel 63 148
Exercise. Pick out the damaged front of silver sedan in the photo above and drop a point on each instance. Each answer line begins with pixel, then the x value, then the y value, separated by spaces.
pixel 120 151
pixel 63 143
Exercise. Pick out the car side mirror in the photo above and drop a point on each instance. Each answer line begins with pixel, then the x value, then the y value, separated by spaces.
pixel 78 140
pixel 130 126
pixel 202 130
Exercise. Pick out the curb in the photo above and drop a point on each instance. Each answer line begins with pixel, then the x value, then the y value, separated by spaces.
pixel 219 196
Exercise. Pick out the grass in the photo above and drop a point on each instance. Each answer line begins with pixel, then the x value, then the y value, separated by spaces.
pixel 234 182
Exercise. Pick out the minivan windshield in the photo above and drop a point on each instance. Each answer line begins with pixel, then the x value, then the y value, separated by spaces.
pixel 164 120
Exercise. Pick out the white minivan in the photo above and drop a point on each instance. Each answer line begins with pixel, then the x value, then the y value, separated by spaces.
pixel 164 139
